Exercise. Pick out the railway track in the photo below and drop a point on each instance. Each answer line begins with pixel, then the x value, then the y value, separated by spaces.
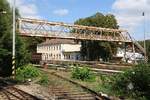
pixel 96 70
pixel 9 92
pixel 62 94
pixel 93 64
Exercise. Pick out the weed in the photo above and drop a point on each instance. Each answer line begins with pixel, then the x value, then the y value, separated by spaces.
pixel 84 74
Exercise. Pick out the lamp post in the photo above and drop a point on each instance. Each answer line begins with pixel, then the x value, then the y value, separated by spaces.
pixel 145 57
pixel 13 43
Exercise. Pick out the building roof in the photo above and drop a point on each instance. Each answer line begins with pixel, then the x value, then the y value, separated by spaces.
pixel 58 41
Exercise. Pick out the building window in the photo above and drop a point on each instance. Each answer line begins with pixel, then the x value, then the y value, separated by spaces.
pixel 57 47
pixel 49 56
pixel 59 56
pixel 46 56
pixel 65 56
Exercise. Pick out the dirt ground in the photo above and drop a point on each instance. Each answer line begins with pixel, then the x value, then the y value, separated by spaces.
pixel 36 90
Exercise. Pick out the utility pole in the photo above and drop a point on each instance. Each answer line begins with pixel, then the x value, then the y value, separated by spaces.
pixel 13 44
pixel 145 57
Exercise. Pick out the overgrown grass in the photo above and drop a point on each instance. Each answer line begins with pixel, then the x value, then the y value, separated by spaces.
pixel 84 74
pixel 26 72
pixel 44 80
pixel 134 82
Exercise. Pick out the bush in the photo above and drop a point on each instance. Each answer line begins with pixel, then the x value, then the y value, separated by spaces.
pixel 44 80
pixel 83 74
pixel 139 77
pixel 121 81
pixel 25 72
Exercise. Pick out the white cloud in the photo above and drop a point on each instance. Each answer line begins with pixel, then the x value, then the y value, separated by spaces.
pixel 26 9
pixel 129 12
pixel 61 12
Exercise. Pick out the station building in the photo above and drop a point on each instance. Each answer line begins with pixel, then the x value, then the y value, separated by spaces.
pixel 59 49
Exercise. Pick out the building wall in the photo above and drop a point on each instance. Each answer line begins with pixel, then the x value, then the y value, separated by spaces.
pixel 70 47
pixel 59 51
pixel 70 51
pixel 120 52
pixel 50 52
pixel 71 56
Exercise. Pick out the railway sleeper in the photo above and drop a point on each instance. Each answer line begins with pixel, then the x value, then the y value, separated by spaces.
pixel 77 93
pixel 74 98
pixel 18 93
pixel 59 91
pixel 72 94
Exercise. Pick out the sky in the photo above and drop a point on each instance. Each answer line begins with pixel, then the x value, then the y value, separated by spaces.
pixel 128 12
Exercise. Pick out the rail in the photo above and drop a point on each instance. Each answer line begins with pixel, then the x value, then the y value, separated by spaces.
pixel 9 92
pixel 98 96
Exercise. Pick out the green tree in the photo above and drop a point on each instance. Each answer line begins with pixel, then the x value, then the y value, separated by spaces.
pixel 148 49
pixel 93 50
pixel 32 43
pixel 22 55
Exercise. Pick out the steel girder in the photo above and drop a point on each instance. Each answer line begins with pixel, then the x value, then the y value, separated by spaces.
pixel 42 28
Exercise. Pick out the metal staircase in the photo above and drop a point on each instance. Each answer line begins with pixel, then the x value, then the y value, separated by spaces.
pixel 137 44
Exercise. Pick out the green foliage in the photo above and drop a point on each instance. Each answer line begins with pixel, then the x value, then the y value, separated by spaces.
pixel 121 81
pixel 27 72
pixel 5 38
pixel 94 50
pixel 32 42
pixel 83 74
pixel 22 55
pixel 104 82
pixel 139 76
pixel 44 80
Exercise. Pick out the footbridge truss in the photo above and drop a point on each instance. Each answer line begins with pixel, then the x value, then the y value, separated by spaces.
pixel 43 28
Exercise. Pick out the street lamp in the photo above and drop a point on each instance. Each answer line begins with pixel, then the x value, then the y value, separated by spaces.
pixel 146 59
pixel 13 44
